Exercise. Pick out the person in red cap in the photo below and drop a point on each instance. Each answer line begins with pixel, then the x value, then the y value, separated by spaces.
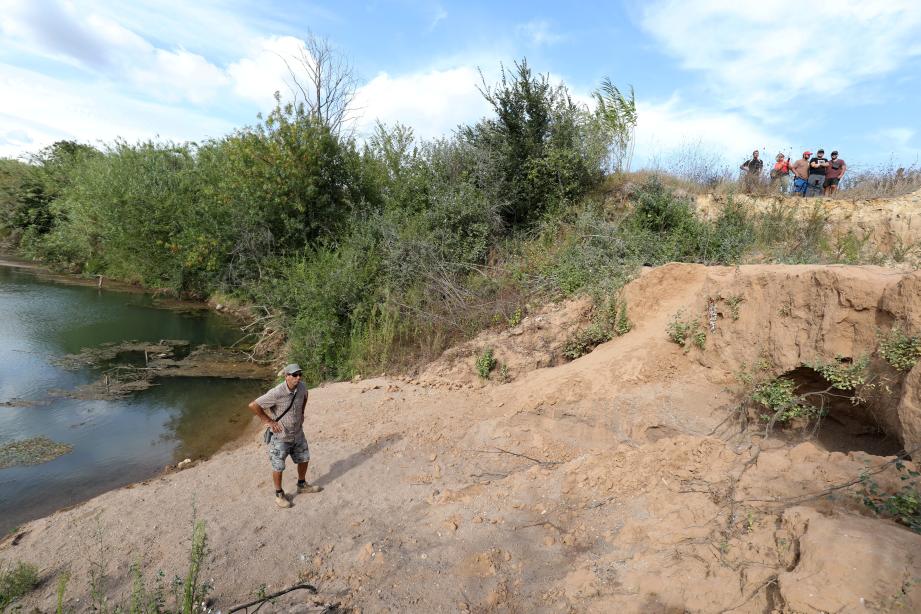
pixel 800 170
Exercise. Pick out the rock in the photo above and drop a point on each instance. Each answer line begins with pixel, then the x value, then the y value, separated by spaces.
pixel 183 463
pixel 851 564
pixel 909 409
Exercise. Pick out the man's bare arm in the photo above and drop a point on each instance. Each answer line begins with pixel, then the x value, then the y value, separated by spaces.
pixel 266 420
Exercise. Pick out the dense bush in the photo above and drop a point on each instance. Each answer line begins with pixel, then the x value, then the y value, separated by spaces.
pixel 380 255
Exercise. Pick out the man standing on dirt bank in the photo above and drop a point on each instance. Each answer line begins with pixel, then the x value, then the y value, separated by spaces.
pixel 286 403
pixel 834 173
pixel 801 174
pixel 817 167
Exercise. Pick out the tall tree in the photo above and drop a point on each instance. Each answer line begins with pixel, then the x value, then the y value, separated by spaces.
pixel 323 81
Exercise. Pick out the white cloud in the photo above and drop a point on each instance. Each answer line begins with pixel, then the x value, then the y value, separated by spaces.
pixel 96 43
pixel 538 32
pixel 760 56
pixel 263 71
pixel 664 128
pixel 433 103
pixel 38 110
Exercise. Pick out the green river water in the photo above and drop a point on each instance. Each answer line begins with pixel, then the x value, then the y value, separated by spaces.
pixel 114 442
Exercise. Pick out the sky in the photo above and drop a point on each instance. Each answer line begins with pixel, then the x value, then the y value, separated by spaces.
pixel 714 80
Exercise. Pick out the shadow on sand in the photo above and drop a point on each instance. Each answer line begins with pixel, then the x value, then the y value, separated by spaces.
pixel 341 467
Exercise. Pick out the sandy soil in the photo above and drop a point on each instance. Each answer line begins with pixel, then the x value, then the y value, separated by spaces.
pixel 617 482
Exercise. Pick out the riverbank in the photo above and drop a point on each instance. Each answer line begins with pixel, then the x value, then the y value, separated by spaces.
pixel 620 481
pixel 125 386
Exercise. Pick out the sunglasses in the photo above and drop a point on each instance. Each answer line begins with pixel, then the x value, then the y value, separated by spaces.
pixel 298 374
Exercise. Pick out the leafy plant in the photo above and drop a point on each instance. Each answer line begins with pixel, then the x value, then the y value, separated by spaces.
pixel 734 301
pixel 843 373
pixel 16 581
pixel 683 331
pixel 515 319
pixel 485 363
pixel 903 506
pixel 607 322
pixel 899 349
pixel 779 398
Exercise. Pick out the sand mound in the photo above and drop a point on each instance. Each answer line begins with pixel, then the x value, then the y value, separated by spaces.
pixel 616 482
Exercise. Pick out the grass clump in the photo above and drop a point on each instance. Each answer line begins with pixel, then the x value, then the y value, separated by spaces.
pixel 16 581
pixel 899 349
pixel 485 363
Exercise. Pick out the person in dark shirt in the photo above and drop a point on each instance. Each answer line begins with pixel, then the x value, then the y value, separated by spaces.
pixel 752 171
pixel 817 167
pixel 753 166
pixel 833 173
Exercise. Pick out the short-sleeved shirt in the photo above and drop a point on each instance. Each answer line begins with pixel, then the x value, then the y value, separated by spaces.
pixel 817 170
pixel 753 166
pixel 276 401
pixel 835 168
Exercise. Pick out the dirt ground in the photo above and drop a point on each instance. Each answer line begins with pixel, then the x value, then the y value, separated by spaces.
pixel 618 482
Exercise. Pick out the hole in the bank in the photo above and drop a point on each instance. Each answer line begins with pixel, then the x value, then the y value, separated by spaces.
pixel 846 426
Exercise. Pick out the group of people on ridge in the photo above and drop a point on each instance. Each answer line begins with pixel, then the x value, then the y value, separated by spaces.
pixel 812 175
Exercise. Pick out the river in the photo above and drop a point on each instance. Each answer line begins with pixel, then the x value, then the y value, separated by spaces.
pixel 114 442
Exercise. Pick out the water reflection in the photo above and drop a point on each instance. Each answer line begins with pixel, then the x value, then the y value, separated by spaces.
pixel 116 441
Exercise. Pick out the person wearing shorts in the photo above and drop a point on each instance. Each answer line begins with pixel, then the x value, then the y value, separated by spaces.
pixel 281 410
pixel 800 170
pixel 834 173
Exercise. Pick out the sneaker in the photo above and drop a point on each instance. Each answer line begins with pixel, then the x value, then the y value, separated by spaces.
pixel 281 500
pixel 303 487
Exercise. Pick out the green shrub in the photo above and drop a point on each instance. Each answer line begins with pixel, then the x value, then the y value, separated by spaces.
pixel 843 373
pixel 608 321
pixel 16 581
pixel 584 340
pixel 781 402
pixel 899 349
pixel 485 363
pixel 903 506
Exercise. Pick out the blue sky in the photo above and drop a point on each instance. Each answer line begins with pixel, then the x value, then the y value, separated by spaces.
pixel 713 79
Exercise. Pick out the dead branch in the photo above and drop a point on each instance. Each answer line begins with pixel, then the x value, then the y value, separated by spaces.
pixel 788 501
pixel 262 600
pixel 499 450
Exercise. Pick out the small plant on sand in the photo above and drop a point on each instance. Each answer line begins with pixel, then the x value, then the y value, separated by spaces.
pixel 16 581
pixel 903 506
pixel 786 308
pixel 485 363
pixel 899 349
pixel 515 319
pixel 734 301
pixel 63 579
pixel 189 592
pixel 683 331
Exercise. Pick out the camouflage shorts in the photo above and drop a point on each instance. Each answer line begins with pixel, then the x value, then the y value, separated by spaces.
pixel 278 450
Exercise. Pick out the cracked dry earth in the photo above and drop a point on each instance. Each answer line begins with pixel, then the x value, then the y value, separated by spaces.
pixel 618 482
